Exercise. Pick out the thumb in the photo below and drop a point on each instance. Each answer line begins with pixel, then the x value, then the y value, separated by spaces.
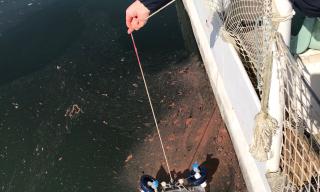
pixel 130 30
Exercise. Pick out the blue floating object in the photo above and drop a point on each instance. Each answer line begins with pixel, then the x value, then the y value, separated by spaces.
pixel 155 184
pixel 195 166
pixel 145 187
pixel 193 181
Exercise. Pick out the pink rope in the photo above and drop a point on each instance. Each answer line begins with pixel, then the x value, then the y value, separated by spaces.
pixel 135 50
pixel 151 106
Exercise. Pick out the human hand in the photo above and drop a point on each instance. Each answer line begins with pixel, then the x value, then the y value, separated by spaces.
pixel 136 16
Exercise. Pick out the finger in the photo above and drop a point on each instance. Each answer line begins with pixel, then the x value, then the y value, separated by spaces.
pixel 142 23
pixel 128 22
pixel 135 24
pixel 130 30
pixel 129 19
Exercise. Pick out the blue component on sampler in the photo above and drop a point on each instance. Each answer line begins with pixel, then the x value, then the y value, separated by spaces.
pixel 197 182
pixel 144 183
pixel 195 166
pixel 155 184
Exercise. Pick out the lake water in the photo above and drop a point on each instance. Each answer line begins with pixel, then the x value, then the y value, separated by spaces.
pixel 59 54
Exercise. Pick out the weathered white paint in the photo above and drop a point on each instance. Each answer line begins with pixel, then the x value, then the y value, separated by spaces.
pixel 285 11
pixel 275 110
pixel 234 92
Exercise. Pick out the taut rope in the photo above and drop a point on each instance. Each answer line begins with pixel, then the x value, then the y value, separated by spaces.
pixel 147 90
pixel 151 106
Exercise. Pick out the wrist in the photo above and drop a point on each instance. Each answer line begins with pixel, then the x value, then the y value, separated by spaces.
pixel 149 4
pixel 143 5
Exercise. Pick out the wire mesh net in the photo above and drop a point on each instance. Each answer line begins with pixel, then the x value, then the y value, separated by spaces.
pixel 300 157
pixel 248 25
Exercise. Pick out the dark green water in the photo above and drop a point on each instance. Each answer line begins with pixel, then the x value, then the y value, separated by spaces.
pixel 57 53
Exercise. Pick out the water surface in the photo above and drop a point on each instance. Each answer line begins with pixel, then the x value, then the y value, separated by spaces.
pixel 55 54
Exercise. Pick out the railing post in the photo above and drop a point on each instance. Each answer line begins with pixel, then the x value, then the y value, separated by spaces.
pixel 275 100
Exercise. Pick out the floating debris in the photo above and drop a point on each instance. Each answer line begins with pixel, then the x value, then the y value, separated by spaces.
pixel 147 124
pixel 172 105
pixel 188 121
pixel 15 105
pixel 128 158
pixel 73 111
